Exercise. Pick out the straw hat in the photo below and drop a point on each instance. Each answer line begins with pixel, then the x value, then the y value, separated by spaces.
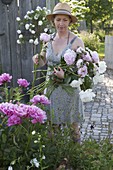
pixel 61 8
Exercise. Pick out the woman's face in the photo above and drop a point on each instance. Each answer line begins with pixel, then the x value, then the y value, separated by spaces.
pixel 62 22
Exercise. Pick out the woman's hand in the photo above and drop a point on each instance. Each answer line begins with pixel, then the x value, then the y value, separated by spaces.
pixel 35 59
pixel 59 72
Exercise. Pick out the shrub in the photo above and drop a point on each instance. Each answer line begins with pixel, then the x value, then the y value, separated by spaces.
pixel 100 34
pixel 90 40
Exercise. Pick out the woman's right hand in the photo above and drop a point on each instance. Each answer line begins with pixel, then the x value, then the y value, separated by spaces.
pixel 35 59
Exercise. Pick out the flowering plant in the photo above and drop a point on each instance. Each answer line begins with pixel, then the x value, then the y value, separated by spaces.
pixel 21 126
pixel 82 70
pixel 34 21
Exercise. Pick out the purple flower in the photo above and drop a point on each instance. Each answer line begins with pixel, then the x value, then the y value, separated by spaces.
pixel 69 57
pixel 83 71
pixel 5 77
pixel 79 63
pixel 40 99
pixel 23 82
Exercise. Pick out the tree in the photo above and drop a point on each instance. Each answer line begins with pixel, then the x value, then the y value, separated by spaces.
pixel 99 10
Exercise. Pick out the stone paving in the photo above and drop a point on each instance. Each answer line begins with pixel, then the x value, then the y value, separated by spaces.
pixel 98 114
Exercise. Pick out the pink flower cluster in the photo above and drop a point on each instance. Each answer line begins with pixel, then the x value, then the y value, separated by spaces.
pixel 17 112
pixel 40 99
pixel 4 78
pixel 23 82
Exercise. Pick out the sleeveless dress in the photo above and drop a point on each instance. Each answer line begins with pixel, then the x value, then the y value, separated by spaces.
pixel 64 108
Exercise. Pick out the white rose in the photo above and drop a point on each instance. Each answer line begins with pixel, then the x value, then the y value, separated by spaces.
pixel 19 31
pixel 40 23
pixel 36 41
pixel 20 36
pixel 18 42
pixel 31 41
pixel 18 19
pixel 27 26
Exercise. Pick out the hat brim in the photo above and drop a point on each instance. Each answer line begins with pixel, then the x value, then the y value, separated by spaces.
pixel 50 17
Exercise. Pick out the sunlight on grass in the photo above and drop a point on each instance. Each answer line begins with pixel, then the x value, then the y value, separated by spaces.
pixel 101 50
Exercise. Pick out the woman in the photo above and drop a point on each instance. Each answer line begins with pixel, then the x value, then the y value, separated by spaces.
pixel 64 108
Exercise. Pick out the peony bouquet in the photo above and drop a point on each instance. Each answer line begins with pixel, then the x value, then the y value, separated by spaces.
pixel 82 69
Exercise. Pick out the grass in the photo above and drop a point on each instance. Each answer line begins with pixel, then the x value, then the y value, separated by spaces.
pixel 101 50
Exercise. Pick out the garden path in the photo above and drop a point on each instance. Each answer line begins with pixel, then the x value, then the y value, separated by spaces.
pixel 98 114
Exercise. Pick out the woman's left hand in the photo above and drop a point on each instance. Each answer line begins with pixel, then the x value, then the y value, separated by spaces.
pixel 59 72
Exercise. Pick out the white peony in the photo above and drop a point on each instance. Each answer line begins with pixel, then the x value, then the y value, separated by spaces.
pixel 102 67
pixel 98 78
pixel 86 96
pixel 76 83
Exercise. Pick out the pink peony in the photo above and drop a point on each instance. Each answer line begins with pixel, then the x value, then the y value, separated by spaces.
pixel 69 57
pixel 44 37
pixel 95 56
pixel 23 82
pixel 40 99
pixel 5 77
pixel 14 120
pixel 16 113
pixel 83 71
pixel 87 57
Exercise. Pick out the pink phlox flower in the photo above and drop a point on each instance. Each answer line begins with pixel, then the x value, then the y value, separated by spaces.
pixel 83 71
pixel 95 56
pixel 5 77
pixel 87 57
pixel 23 82
pixel 40 99
pixel 44 37
pixel 69 57
pixel 14 120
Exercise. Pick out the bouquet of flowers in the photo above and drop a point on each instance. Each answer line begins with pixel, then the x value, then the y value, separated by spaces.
pixel 82 69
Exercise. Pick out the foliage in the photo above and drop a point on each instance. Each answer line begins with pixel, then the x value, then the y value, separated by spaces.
pixel 78 9
pixel 20 127
pixel 90 40
pixel 33 22
pixel 101 34
pixel 101 11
